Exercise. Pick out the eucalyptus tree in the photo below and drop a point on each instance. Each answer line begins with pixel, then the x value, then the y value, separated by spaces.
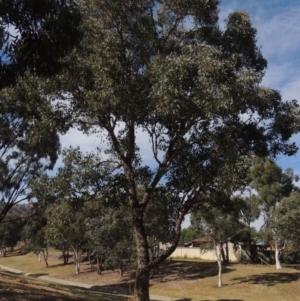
pixel 287 220
pixel 65 226
pixel 70 199
pixel 10 232
pixel 110 233
pixel 167 71
pixel 28 140
pixel 34 37
pixel 222 223
pixel 272 185
pixel 34 233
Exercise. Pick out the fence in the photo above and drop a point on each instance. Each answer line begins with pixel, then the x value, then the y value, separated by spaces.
pixel 184 252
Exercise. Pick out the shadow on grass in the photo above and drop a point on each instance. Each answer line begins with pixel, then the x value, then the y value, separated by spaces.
pixel 60 265
pixel 13 254
pixel 185 270
pixel 270 279
pixel 120 288
pixel 37 275
pixel 15 287
pixel 223 300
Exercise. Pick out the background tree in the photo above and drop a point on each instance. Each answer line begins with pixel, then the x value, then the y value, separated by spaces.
pixel 195 90
pixel 111 233
pixel 66 227
pixel 222 224
pixel 287 222
pixel 249 212
pixel 34 233
pixel 28 141
pixel 190 233
pixel 10 232
pixel 68 197
pixel 271 185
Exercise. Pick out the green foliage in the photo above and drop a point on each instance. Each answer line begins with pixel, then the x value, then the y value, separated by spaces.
pixel 29 141
pixel 189 234
pixel 11 231
pixel 34 37
pixel 34 231
pixel 272 185
pixel 287 219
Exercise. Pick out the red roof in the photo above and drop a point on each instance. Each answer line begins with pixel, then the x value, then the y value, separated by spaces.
pixel 203 239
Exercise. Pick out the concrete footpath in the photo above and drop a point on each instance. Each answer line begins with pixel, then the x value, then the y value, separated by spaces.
pixel 78 284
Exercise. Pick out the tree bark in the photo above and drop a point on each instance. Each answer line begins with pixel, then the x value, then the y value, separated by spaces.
pixel 142 284
pixel 142 272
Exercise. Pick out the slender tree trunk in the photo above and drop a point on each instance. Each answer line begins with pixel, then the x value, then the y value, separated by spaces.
pixel 227 252
pixel 218 248
pixel 277 259
pixel 67 258
pixel 121 269
pixel 76 260
pixel 65 252
pixel 223 254
pixel 45 255
pixel 90 259
pixel 99 265
pixel 39 257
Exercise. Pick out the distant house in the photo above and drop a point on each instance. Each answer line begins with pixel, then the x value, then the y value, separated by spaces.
pixel 202 248
pixel 198 242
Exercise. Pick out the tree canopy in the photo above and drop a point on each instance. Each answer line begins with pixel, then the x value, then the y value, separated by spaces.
pixel 166 70
pixel 33 37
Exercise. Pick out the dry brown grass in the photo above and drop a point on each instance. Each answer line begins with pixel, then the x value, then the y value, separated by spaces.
pixel 186 280
pixel 198 281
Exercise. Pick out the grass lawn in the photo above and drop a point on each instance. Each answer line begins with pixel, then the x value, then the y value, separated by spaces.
pixel 241 282
pixel 183 279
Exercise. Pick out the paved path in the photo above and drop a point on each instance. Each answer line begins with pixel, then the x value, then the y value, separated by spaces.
pixel 72 283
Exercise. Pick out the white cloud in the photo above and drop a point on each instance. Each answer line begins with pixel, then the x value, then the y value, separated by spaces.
pixel 76 138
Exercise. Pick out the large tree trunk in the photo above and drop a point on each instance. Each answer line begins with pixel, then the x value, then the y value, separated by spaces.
pixel 142 273
pixel 142 284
